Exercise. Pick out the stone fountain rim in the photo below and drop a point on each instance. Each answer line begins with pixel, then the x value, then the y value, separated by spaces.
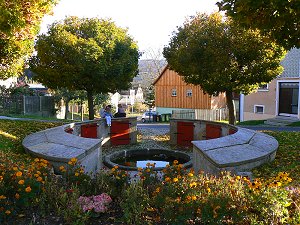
pixel 107 160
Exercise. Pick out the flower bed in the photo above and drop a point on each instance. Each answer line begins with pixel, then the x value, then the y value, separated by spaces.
pixel 196 198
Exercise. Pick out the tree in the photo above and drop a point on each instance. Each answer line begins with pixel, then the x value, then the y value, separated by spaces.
pixel 19 24
pixel 150 97
pixel 93 55
pixel 221 57
pixel 278 18
pixel 66 95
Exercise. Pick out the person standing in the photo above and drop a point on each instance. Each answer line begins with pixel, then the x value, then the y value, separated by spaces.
pixel 120 112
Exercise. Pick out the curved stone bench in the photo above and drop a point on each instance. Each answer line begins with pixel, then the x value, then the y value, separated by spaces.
pixel 59 144
pixel 236 150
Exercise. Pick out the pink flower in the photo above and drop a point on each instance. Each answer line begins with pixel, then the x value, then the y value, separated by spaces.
pixel 103 198
pixel 98 202
pixel 100 208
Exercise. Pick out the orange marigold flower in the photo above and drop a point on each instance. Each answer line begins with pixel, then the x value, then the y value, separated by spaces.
pixel 76 174
pixel 39 179
pixel 194 198
pixel 36 175
pixel 28 189
pixel 74 160
pixel 175 162
pixel 21 182
pixel 190 174
pixel 2 197
pixel 7 212
pixel 193 184
pixel 36 159
pixel 19 173
pixel 167 179
pixel 140 168
pixel 17 196
pixel 175 179
pixel 61 168
pixel 148 170
pixel 15 168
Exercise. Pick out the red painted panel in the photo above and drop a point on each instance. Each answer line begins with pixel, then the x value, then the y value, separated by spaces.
pixel 119 133
pixel 89 130
pixel 231 131
pixel 69 130
pixel 185 133
pixel 213 131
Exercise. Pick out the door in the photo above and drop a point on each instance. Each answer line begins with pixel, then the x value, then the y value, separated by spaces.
pixel 119 133
pixel 185 133
pixel 89 130
pixel 213 131
pixel 288 98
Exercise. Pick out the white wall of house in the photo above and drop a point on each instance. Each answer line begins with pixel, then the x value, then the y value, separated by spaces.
pixel 261 99
pixel 264 104
pixel 8 82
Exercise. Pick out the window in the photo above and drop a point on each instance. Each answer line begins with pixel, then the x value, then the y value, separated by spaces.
pixel 259 109
pixel 174 93
pixel 263 87
pixel 189 93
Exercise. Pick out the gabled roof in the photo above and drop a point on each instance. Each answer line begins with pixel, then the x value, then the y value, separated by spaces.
pixel 161 73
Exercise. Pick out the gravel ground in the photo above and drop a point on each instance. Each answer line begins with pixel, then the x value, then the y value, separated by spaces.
pixel 147 138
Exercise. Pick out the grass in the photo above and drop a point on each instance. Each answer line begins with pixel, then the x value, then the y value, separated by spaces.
pixel 287 157
pixel 251 122
pixel 295 124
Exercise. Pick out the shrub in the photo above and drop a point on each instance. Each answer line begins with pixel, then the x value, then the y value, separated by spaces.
pixel 134 202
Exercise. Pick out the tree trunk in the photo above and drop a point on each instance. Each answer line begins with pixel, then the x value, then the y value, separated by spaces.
pixel 90 104
pixel 67 108
pixel 230 105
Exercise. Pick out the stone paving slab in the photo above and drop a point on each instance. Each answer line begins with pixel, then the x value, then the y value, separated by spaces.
pixel 57 152
pixel 266 144
pixel 34 139
pixel 235 155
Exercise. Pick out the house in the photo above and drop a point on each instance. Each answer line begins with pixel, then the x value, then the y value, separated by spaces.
pixel 172 93
pixel 11 81
pixel 278 98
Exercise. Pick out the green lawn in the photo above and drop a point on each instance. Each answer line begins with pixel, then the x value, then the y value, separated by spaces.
pixel 251 122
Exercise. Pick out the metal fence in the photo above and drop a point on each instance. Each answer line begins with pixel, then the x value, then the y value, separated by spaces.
pixel 33 105
pixel 201 114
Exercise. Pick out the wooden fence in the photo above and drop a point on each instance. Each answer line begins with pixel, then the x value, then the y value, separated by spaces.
pixel 33 105
pixel 201 114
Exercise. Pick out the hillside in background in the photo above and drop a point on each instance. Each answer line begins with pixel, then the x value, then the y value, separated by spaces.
pixel 149 70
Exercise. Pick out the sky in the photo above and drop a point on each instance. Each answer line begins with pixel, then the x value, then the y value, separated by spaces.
pixel 149 23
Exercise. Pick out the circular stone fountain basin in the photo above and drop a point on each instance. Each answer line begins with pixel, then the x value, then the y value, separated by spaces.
pixel 133 159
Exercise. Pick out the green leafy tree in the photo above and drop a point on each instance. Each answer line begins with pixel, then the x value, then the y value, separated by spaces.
pixel 150 97
pixel 67 96
pixel 93 55
pixel 221 57
pixel 278 18
pixel 19 24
